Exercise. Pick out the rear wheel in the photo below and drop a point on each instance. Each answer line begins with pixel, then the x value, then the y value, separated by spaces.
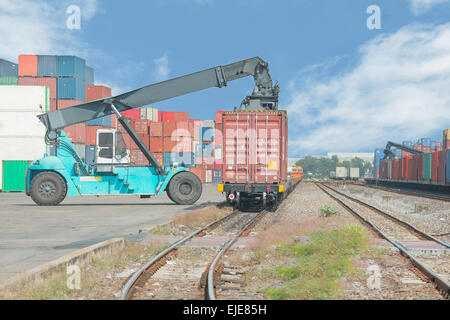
pixel 48 189
pixel 185 188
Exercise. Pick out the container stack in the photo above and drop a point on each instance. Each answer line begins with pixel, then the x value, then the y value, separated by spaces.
pixel 378 155
pixel 8 73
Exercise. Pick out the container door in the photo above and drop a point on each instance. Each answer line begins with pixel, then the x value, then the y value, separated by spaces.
pixel 268 149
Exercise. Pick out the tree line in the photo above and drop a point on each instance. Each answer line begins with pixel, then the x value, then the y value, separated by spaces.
pixel 321 167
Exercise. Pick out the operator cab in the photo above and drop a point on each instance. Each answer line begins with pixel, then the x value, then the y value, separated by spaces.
pixel 111 148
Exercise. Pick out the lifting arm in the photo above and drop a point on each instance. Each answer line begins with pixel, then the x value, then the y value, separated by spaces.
pixel 213 77
pixel 388 154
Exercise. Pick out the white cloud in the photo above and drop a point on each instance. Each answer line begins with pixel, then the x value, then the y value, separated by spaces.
pixel 397 90
pixel 39 27
pixel 162 67
pixel 422 6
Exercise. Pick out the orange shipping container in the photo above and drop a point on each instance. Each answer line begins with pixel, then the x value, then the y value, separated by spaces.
pixel 169 145
pixel 181 116
pixel 200 173
pixel 91 135
pixel 169 128
pixel 156 144
pixel 76 133
pixel 62 104
pixel 28 65
pixel 156 129
pixel 97 92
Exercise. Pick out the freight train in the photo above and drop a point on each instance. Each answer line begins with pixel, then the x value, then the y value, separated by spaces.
pixel 254 166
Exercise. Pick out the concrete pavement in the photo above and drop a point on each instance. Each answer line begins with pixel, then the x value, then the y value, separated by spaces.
pixel 31 235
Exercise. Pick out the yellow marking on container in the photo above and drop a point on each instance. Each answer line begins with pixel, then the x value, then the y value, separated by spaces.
pixel 281 188
pixel 90 179
pixel 220 187
pixel 272 165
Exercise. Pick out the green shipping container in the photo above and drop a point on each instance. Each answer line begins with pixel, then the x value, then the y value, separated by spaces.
pixel 9 81
pixel 427 166
pixel 14 175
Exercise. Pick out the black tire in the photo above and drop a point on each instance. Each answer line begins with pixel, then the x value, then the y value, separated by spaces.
pixel 168 194
pixel 48 189
pixel 184 188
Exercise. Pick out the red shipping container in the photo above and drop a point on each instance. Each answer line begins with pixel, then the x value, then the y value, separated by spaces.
pixel 446 145
pixel 442 159
pixel 219 117
pixel 62 104
pixel 169 128
pixel 426 149
pixel 183 144
pixel 159 157
pixel 395 169
pixel 35 81
pixel 438 144
pixel 140 125
pixel 137 158
pixel 218 137
pixel 156 129
pixel 255 147
pixel 182 129
pixel 217 166
pixel 419 166
pixel 167 116
pixel 405 167
pixel 28 65
pixel 199 172
pixel 53 104
pixel 434 166
pixel 156 144
pixel 97 92
pixel 91 135
pixel 76 133
pixel 132 114
pixel 169 145
pixel 181 116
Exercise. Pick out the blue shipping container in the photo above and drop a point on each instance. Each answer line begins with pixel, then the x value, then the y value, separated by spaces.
pixel 206 134
pixel 47 66
pixel 433 144
pixel 185 158
pixel 89 75
pixel 169 159
pixel 198 150
pixel 90 155
pixel 71 88
pixel 207 150
pixel 103 121
pixel 426 142
pixel 398 153
pixel 8 69
pixel 71 66
pixel 379 154
pixel 408 144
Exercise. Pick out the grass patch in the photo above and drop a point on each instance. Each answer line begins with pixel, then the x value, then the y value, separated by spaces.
pixel 320 265
pixel 328 211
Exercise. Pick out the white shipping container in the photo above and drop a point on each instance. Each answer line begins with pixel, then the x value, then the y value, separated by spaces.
pixel 19 108
pixel 209 176
pixel 354 173
pixel 218 153
pixel 208 123
pixel 149 114
pixel 22 135
pixel 341 172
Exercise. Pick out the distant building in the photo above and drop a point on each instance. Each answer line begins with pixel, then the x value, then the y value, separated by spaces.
pixel 342 156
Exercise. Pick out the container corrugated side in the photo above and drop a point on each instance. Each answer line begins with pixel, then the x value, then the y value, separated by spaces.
pixel 71 66
pixel 9 81
pixel 427 167
pixel 89 76
pixel 47 66
pixel 71 88
pixel 8 68
pixel 13 178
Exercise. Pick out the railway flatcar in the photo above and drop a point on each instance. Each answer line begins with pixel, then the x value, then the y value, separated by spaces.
pixel 254 166
pixel 297 172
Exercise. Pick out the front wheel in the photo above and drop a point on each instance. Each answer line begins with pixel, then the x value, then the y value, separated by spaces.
pixel 185 188
pixel 48 189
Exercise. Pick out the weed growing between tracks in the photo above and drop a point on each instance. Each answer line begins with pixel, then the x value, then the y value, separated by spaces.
pixel 99 277
pixel 314 270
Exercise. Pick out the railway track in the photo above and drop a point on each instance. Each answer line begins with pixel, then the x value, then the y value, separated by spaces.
pixel 398 233
pixel 229 222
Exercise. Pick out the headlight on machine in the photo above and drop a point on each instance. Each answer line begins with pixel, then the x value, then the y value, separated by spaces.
pixel 281 188
pixel 220 187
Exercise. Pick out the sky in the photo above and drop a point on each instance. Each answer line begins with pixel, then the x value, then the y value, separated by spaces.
pixel 347 86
